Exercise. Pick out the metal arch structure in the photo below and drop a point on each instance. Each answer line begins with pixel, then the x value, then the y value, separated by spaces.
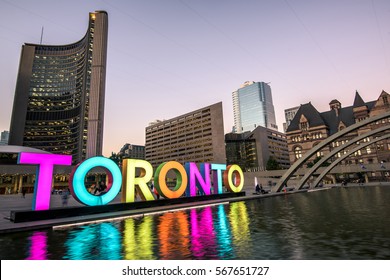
pixel 290 172
pixel 337 150
pixel 333 164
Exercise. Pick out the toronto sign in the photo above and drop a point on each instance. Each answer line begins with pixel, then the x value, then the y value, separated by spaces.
pixel 205 178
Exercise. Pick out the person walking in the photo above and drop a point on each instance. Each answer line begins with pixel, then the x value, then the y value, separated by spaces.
pixel 24 192
pixel 65 197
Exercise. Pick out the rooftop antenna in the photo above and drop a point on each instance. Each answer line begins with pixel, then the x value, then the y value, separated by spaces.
pixel 41 36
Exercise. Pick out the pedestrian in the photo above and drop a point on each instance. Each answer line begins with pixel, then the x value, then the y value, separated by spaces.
pixel 24 192
pixel 382 165
pixel 96 188
pixel 64 197
pixel 257 189
pixel 362 166
pixel 102 188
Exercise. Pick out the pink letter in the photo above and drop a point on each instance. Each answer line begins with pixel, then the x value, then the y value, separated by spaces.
pixel 198 179
pixel 44 176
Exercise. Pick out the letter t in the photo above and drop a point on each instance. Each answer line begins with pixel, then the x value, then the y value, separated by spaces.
pixel 44 175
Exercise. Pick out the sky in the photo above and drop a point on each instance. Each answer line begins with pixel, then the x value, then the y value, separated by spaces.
pixel 170 57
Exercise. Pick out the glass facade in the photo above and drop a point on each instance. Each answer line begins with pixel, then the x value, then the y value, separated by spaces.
pixel 253 107
pixel 58 97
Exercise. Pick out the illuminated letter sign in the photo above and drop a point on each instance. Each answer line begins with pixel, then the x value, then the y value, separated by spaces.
pixel 189 179
pixel 233 170
pixel 133 185
pixel 217 177
pixel 181 179
pixel 44 176
pixel 198 179
pixel 77 178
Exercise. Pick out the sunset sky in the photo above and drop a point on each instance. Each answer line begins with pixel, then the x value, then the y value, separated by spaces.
pixel 170 57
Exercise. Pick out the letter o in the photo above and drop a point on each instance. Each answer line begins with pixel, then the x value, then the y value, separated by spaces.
pixel 228 176
pixel 181 179
pixel 77 177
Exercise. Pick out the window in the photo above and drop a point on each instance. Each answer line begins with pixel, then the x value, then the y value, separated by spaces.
pixel 298 152
pixel 385 100
pixel 304 126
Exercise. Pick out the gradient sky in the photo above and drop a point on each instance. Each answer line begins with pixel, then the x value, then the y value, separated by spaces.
pixel 170 57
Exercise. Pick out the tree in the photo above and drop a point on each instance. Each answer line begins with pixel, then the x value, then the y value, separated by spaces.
pixel 117 158
pixel 272 164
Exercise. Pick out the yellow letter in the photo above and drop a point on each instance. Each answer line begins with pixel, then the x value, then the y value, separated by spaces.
pixel 238 175
pixel 136 185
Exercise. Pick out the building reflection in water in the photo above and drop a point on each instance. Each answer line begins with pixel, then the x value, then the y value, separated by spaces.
pixel 138 239
pixel 38 246
pixel 97 241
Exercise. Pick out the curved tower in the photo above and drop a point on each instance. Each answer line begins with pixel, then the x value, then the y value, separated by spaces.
pixel 59 96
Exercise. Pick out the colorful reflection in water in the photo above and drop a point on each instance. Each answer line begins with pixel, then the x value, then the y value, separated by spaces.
pixel 38 246
pixel 98 241
pixel 173 235
pixel 138 239
pixel 335 224
pixel 203 233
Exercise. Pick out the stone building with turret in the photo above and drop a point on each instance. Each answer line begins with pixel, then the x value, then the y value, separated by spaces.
pixel 309 127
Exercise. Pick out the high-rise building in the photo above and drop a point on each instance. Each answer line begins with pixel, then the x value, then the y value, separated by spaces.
pixel 59 96
pixel 197 136
pixel 253 107
pixel 4 137
pixel 289 115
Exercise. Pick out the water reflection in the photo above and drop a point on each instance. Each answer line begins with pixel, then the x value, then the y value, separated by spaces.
pixel 96 241
pixel 241 236
pixel 203 241
pixel 38 246
pixel 223 235
pixel 334 224
pixel 138 239
pixel 173 236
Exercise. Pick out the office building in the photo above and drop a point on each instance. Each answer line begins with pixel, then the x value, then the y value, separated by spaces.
pixel 4 137
pixel 132 151
pixel 197 136
pixel 289 114
pixel 59 96
pixel 253 150
pixel 253 107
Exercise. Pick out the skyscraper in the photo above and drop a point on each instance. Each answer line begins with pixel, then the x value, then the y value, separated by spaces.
pixel 253 107
pixel 59 96
pixel 4 137
pixel 289 115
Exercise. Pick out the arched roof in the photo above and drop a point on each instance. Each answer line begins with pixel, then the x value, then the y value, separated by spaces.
pixel 11 149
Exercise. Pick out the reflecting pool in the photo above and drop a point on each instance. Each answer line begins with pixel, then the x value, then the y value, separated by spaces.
pixel 340 223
